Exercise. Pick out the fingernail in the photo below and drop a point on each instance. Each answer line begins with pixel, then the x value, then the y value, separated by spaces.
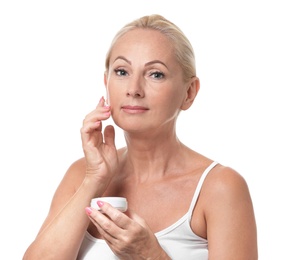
pixel 88 211
pixel 101 99
pixel 100 203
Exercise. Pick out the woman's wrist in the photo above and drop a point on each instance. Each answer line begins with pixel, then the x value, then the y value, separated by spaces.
pixel 95 184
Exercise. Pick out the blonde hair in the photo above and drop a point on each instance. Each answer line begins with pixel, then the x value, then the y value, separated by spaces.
pixel 183 48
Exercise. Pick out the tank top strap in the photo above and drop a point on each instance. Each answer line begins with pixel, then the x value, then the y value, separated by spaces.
pixel 199 186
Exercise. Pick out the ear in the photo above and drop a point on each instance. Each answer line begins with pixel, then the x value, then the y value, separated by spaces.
pixel 105 79
pixel 191 93
pixel 107 100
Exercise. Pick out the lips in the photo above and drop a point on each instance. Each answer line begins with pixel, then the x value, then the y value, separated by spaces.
pixel 134 109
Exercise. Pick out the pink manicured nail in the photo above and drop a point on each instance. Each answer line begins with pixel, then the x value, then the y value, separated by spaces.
pixel 88 211
pixel 100 203
pixel 101 99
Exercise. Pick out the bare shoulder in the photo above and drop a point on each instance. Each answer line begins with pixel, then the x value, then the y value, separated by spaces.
pixel 229 214
pixel 224 186
pixel 224 189
pixel 225 180
pixel 72 179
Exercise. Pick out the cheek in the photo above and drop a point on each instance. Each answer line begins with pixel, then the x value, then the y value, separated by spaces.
pixel 115 98
pixel 113 94
pixel 173 99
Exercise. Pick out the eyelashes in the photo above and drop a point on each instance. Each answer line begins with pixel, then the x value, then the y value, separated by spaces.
pixel 156 74
pixel 120 72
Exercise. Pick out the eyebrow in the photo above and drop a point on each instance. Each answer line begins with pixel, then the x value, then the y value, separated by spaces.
pixel 146 64
pixel 155 61
pixel 123 58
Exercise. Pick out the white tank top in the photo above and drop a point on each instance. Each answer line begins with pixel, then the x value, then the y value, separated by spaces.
pixel 178 240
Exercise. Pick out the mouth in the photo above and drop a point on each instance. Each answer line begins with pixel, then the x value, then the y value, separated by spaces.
pixel 134 109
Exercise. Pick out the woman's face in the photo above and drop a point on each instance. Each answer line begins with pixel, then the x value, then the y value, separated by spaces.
pixel 144 82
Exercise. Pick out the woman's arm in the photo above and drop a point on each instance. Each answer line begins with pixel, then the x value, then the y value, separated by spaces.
pixel 63 230
pixel 231 226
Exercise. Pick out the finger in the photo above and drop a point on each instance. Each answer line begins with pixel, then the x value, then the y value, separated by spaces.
pixel 109 135
pixel 97 114
pixel 104 231
pixel 105 235
pixel 105 224
pixel 101 102
pixel 89 128
pixel 100 107
pixel 118 217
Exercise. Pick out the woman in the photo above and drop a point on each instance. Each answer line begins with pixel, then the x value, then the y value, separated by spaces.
pixel 181 204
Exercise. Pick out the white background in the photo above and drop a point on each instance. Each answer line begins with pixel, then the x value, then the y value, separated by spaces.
pixel 51 75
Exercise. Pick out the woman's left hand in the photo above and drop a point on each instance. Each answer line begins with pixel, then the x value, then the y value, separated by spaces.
pixel 128 237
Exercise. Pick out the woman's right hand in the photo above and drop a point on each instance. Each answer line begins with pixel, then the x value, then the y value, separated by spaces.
pixel 99 149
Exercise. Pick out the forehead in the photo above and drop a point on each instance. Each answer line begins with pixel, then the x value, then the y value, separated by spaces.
pixel 145 42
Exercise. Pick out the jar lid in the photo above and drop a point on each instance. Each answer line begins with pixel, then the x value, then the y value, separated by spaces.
pixel 119 203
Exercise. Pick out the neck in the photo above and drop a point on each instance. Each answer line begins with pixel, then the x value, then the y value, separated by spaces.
pixel 152 156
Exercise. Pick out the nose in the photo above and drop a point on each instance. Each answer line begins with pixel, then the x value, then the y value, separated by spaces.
pixel 136 87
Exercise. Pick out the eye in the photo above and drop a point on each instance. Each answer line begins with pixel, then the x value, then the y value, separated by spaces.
pixel 120 72
pixel 157 75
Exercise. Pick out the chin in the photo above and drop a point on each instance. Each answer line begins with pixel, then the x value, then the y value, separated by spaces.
pixel 128 123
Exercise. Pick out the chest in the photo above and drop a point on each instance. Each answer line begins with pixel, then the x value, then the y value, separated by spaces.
pixel 160 204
